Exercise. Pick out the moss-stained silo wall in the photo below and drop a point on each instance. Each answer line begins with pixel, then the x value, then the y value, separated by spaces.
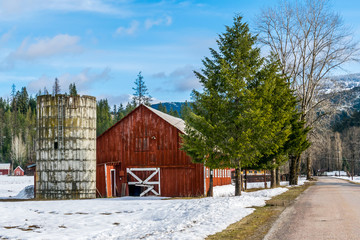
pixel 66 147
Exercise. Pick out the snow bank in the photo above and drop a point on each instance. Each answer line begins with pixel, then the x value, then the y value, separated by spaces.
pixel 10 186
pixel 127 218
pixel 229 190
pixel 356 179
pixel 26 193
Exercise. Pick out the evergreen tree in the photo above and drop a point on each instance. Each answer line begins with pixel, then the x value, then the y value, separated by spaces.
pixel 56 87
pixel 103 116
pixel 162 108
pixel 173 112
pixel 141 95
pixel 232 118
pixel 72 89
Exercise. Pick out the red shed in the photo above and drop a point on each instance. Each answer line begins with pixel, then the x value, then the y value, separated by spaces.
pixel 18 171
pixel 4 168
pixel 140 155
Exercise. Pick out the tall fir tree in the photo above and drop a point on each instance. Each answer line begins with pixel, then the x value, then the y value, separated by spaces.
pixel 231 123
pixel 72 89
pixel 141 94
pixel 56 87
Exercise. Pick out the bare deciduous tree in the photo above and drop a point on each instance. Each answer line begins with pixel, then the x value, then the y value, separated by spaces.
pixel 310 40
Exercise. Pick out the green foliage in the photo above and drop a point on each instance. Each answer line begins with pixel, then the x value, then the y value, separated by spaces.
pixel 103 116
pixel 174 113
pixel 162 108
pixel 17 128
pixel 141 95
pixel 245 108
pixel 72 89
pixel 56 87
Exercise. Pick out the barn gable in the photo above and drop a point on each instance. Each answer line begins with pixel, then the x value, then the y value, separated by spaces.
pixel 141 155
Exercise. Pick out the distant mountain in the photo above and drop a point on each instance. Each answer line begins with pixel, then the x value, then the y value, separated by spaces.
pixel 176 106
pixel 342 83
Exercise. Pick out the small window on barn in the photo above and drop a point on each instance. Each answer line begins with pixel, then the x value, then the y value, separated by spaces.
pixel 141 144
pixel 56 145
pixel 207 173
pixel 250 171
pixel 255 172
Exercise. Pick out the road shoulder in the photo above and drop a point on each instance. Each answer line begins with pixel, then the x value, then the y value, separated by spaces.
pixel 258 224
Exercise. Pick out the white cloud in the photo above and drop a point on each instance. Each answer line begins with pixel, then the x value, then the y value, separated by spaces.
pixel 83 81
pixel 183 79
pixel 116 99
pixel 149 23
pixel 43 48
pixel 18 8
pixel 5 37
pixel 131 30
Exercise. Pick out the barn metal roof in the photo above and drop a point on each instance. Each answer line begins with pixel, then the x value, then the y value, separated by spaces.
pixel 176 122
pixel 5 166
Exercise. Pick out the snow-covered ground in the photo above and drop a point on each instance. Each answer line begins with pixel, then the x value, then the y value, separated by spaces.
pixel 128 217
pixel 10 186
pixel 355 179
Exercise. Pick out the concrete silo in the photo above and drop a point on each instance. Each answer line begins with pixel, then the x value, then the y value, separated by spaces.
pixel 66 147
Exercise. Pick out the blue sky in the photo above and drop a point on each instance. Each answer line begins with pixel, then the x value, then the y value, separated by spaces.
pixel 101 45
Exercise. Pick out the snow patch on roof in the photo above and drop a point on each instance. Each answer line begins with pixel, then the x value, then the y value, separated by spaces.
pixel 176 122
pixel 19 168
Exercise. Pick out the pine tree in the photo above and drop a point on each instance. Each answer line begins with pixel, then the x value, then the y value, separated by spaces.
pixel 232 122
pixel 162 108
pixel 141 95
pixel 56 87
pixel 173 112
pixel 103 116
pixel 72 89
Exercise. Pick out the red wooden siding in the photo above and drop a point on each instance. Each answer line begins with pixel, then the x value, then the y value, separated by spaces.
pixel 220 177
pixel 18 172
pixel 4 172
pixel 144 140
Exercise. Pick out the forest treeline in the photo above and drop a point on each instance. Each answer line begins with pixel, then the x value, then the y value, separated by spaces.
pixel 18 119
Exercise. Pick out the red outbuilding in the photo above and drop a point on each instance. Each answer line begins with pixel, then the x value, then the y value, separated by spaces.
pixel 18 171
pixel 5 168
pixel 140 155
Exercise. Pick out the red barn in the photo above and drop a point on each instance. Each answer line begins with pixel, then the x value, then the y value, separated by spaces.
pixel 18 171
pixel 140 155
pixel 4 168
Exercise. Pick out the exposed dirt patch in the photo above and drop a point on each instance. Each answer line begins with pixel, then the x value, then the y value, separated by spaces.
pixel 256 225
pixel 105 213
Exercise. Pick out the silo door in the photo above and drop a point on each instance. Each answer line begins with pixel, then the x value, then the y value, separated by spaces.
pixel 143 181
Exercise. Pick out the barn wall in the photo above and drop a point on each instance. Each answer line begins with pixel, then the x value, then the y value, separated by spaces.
pixel 4 172
pixel 143 139
pixel 220 177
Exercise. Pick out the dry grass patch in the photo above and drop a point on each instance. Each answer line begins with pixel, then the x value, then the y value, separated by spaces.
pixel 256 225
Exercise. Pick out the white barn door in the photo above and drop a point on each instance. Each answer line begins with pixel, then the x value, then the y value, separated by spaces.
pixel 148 183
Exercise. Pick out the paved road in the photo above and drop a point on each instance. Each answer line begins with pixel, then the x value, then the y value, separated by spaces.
pixel 328 210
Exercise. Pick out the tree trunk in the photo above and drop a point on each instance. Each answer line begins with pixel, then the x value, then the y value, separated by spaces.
pixel 298 163
pixel 278 177
pixel 237 181
pixel 210 192
pixel 265 183
pixel 308 167
pixel 273 176
pixel 293 175
pixel 245 180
